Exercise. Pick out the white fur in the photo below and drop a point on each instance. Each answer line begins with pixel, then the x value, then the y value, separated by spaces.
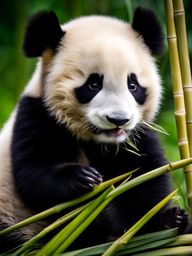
pixel 34 88
pixel 110 47
pixel 12 209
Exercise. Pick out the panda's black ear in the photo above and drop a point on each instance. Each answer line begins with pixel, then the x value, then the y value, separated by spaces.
pixel 147 25
pixel 43 31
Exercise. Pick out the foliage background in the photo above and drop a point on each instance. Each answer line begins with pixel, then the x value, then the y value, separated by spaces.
pixel 15 69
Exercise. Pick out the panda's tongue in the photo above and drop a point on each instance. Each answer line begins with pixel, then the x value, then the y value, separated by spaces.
pixel 114 132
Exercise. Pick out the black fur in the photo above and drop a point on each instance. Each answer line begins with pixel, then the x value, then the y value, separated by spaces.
pixel 89 89
pixel 46 172
pixel 49 152
pixel 140 93
pixel 147 25
pixel 11 241
pixel 43 32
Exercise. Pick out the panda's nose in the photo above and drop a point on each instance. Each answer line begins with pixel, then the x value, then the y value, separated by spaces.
pixel 117 120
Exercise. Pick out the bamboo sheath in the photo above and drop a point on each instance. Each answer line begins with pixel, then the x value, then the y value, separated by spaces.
pixel 180 113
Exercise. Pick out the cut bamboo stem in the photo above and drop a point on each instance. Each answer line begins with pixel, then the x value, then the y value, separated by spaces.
pixel 180 114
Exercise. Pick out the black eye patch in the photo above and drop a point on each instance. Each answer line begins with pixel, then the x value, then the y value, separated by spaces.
pixel 138 92
pixel 89 89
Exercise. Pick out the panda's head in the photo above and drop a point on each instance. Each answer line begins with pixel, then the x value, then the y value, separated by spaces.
pixel 98 77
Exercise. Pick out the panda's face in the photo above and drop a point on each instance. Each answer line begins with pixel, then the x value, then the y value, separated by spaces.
pixel 102 83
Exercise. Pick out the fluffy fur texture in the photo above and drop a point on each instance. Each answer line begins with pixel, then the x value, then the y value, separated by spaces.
pixel 95 83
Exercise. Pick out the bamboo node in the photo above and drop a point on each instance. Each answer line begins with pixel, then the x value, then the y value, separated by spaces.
pixel 183 142
pixel 179 12
pixel 176 94
pixel 170 166
pixel 172 37
pixel 189 195
pixel 180 113
pixel 187 89
pixel 188 86
pixel 188 169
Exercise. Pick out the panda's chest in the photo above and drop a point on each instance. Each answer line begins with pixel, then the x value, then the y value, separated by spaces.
pixel 108 161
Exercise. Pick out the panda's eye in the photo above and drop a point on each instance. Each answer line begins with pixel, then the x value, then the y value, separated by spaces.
pixel 92 86
pixel 132 86
pixel 95 82
pixel 132 83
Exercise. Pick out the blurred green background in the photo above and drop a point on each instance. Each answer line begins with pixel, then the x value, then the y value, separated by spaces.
pixel 15 69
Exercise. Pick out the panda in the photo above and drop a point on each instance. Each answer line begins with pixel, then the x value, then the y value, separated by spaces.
pixel 95 86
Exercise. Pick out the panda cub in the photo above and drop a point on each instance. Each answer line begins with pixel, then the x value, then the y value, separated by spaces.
pixel 95 86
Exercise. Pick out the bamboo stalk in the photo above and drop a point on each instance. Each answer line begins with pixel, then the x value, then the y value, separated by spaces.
pixel 149 175
pixel 182 240
pixel 179 15
pixel 180 114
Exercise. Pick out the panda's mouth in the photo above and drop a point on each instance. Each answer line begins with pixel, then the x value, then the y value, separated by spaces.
pixel 115 132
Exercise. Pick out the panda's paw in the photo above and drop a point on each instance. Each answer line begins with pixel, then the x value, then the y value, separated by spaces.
pixel 176 217
pixel 79 178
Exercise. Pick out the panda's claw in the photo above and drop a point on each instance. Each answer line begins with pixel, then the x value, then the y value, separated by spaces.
pixel 94 171
pixel 87 174
pixel 176 218
pixel 76 178
pixel 88 179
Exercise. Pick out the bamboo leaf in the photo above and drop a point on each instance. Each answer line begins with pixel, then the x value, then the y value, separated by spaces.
pixel 135 243
pixel 81 228
pixel 155 127
pixel 48 229
pixel 60 207
pixel 119 243
pixel 63 235
pixel 177 251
